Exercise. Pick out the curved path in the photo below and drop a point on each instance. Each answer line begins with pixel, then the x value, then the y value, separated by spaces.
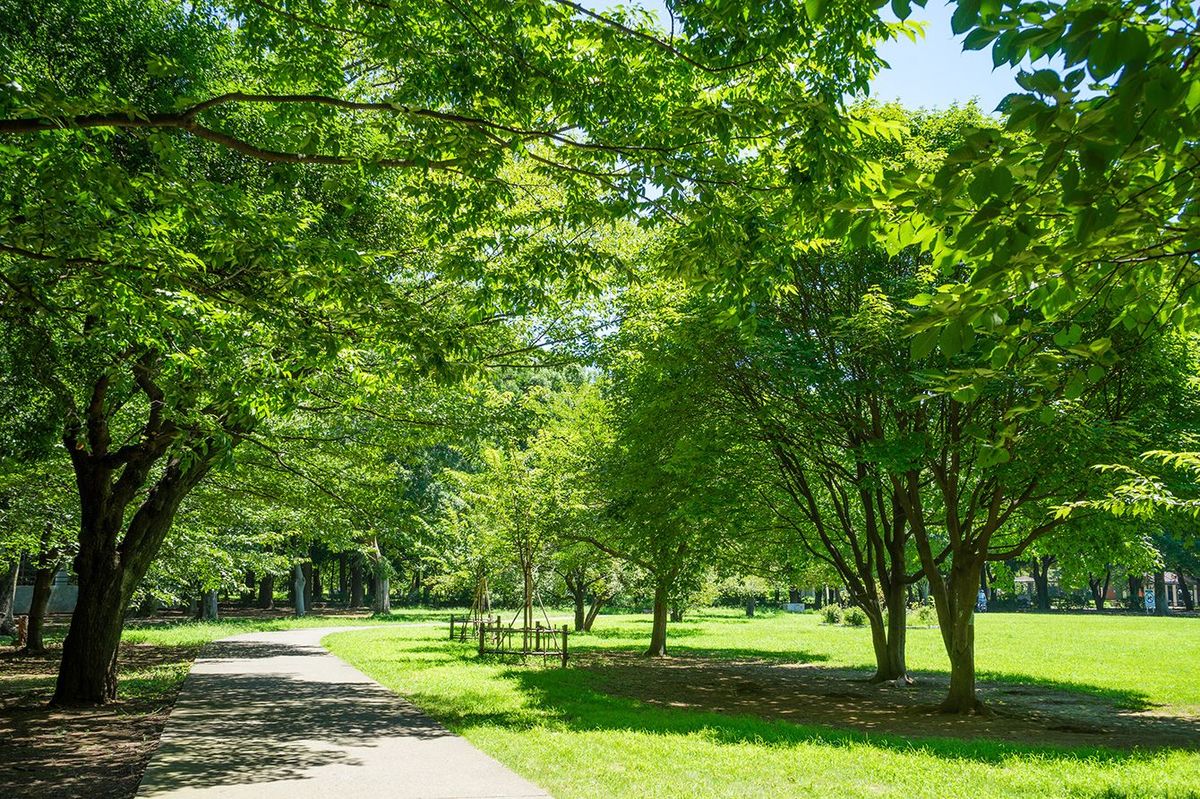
pixel 276 715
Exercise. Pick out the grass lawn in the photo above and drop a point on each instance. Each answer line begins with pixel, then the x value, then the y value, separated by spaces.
pixel 580 732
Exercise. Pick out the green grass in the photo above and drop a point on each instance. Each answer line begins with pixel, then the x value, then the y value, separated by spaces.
pixel 559 729
pixel 156 677
pixel 196 633
pixel 1138 661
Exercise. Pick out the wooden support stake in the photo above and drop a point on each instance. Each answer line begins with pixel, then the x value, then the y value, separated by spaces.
pixel 564 643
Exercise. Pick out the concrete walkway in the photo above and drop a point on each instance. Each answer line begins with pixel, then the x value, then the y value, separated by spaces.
pixel 276 715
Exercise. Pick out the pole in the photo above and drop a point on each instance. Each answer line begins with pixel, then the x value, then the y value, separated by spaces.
pixel 564 651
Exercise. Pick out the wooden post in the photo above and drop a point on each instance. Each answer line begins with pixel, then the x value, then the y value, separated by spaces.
pixel 482 633
pixel 451 626
pixel 537 645
pixel 564 643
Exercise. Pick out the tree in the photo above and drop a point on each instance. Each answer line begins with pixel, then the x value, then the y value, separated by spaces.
pixel 817 381
pixel 674 474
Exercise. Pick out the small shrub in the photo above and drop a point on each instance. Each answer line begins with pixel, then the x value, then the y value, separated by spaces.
pixel 854 617
pixel 831 614
pixel 923 615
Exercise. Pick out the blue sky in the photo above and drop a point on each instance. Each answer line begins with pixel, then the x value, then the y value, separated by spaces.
pixel 932 73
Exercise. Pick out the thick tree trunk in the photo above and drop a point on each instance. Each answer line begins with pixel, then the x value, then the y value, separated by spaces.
pixel 8 592
pixel 343 585
pixel 117 547
pixel 959 638
pixel 897 656
pixel 43 585
pixel 356 582
pixel 794 595
pixel 888 638
pixel 1160 594
pixel 318 590
pixel 658 628
pixel 88 672
pixel 676 613
pixel 266 592
pixel 961 698
pixel 298 590
pixel 382 602
pixel 750 604
pixel 208 606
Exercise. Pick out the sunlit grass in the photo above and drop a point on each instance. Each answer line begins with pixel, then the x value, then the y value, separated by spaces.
pixel 1137 660
pixel 557 728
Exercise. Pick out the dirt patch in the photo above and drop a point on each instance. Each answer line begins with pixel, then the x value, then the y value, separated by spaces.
pixel 96 753
pixel 842 698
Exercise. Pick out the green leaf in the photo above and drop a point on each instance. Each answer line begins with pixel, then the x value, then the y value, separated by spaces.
pixel 964 17
pixel 979 39
pixel 923 343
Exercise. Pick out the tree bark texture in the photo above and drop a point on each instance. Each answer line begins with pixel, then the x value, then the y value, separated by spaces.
pixel 266 592
pixel 43 585
pixel 116 547
pixel 658 628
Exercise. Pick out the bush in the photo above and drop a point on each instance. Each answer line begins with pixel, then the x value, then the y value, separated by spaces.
pixel 923 615
pixel 831 614
pixel 854 617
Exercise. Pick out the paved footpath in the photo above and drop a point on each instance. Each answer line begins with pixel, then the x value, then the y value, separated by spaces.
pixel 276 715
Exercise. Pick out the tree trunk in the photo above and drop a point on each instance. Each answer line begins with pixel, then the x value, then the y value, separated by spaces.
pixel 382 602
pixel 343 585
pixel 88 672
pixel 356 582
pixel 750 604
pixel 658 629
pixel 1160 594
pixel 8 593
pixel 307 568
pixel 597 602
pixel 247 594
pixel 1041 581
pixel 1189 602
pixel 889 633
pixel 43 585
pixel 794 595
pixel 959 637
pixel 578 591
pixel 208 605
pixel 1135 586
pixel 318 590
pixel 117 547
pixel 298 590
pixel 266 592
pixel 1099 588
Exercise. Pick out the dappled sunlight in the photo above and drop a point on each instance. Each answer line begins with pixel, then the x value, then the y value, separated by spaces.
pixel 692 725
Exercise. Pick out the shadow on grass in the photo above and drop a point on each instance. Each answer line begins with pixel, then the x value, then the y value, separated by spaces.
pixel 573 698
pixel 744 703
